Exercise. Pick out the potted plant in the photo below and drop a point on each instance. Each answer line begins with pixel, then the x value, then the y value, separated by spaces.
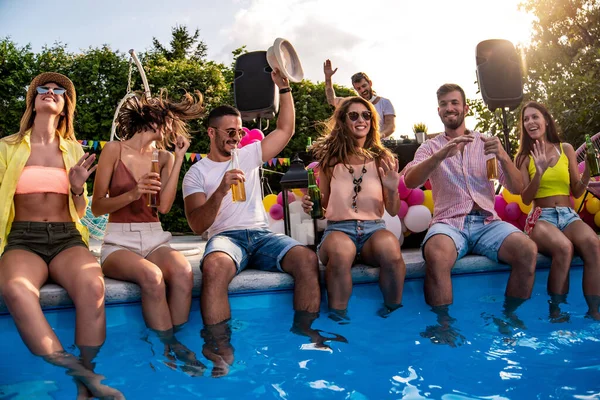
pixel 420 130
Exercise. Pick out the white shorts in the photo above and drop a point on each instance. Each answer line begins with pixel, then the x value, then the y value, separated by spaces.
pixel 142 238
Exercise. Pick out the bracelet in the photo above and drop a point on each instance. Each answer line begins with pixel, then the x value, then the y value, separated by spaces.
pixel 75 194
pixel 285 90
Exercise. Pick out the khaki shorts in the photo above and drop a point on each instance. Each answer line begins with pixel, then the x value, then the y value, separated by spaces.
pixel 142 238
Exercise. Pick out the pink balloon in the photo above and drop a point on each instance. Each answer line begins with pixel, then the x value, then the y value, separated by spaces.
pixel 291 198
pixel 253 141
pixel 403 209
pixel 403 191
pixel 245 129
pixel 245 140
pixel 415 197
pixel 500 206
pixel 276 211
pixel 313 165
pixel 512 211
pixel 256 134
pixel 581 167
pixel 427 184
pixel 521 221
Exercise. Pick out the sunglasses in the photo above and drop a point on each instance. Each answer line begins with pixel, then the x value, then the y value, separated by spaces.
pixel 231 132
pixel 46 89
pixel 353 115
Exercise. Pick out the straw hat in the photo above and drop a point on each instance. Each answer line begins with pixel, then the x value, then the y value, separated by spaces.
pixel 54 77
pixel 283 56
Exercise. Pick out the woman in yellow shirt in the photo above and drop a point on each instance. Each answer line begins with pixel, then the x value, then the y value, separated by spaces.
pixel 550 175
pixel 44 164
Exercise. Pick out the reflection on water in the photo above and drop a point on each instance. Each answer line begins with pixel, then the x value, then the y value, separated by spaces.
pixel 496 354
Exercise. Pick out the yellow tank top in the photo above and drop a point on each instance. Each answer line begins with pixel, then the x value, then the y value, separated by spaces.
pixel 556 179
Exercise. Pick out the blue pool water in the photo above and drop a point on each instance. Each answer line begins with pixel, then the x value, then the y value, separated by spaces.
pixel 383 359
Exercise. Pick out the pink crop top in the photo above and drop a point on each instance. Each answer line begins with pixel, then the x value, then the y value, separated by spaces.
pixel 369 201
pixel 39 179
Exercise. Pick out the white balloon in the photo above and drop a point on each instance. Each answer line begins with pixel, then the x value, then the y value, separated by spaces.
pixel 417 218
pixel 392 224
pixel 401 240
pixel 296 207
pixel 278 227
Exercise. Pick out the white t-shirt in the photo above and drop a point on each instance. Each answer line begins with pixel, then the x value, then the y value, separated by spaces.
pixel 384 107
pixel 205 177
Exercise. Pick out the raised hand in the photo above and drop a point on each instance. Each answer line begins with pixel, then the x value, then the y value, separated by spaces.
pixel 388 171
pixel 149 183
pixel 454 146
pixel 540 159
pixel 280 80
pixel 181 146
pixel 328 70
pixel 80 172
pixel 232 176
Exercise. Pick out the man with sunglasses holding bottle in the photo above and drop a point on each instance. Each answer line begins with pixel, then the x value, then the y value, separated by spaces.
pixel 364 88
pixel 239 235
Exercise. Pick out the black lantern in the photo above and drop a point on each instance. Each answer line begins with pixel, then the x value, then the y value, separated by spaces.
pixel 295 178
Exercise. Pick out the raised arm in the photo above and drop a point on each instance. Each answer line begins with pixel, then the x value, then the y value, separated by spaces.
pixel 390 178
pixel 275 141
pixel 329 92
pixel 578 183
pixel 512 176
pixel 201 210
pixel 78 175
pixel 531 185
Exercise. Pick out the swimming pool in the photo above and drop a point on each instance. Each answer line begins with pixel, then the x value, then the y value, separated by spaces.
pixel 384 358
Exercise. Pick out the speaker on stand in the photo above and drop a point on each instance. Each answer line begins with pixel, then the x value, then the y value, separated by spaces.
pixel 500 78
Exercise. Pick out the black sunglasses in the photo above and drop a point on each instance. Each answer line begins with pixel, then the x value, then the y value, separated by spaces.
pixel 231 131
pixel 353 115
pixel 46 89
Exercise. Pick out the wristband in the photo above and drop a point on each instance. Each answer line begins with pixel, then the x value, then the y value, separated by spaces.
pixel 285 90
pixel 77 195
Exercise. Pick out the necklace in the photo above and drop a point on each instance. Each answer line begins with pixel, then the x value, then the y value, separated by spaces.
pixel 356 181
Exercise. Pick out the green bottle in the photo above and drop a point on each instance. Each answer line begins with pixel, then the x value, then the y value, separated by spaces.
pixel 591 156
pixel 308 144
pixel 315 196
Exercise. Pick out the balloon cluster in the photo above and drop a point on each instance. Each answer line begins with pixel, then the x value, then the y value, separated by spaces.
pixel 416 210
pixel 510 207
pixel 251 136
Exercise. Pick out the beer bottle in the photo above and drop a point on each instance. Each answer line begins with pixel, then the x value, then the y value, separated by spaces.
pixel 154 199
pixel 591 156
pixel 308 144
pixel 238 190
pixel 315 195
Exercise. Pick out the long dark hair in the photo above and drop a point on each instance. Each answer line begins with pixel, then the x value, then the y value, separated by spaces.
pixel 336 143
pixel 526 143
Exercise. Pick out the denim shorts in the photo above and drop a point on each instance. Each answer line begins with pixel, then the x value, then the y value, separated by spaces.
pixel 46 239
pixel 476 237
pixel 560 217
pixel 259 248
pixel 358 231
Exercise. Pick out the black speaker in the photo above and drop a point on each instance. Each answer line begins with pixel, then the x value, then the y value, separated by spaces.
pixel 499 74
pixel 255 93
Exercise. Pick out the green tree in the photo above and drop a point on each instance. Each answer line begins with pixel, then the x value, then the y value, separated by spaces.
pixel 183 45
pixel 16 71
pixel 563 63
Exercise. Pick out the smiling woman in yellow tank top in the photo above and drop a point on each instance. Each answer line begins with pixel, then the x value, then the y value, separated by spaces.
pixel 550 174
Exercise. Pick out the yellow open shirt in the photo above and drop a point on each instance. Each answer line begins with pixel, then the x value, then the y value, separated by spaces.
pixel 13 157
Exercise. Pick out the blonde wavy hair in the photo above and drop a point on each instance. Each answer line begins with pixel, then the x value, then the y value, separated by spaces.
pixel 139 114
pixel 336 144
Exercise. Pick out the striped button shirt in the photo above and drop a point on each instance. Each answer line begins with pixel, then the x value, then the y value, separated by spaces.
pixel 459 182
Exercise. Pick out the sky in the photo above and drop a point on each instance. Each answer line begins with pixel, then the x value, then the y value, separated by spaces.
pixel 408 49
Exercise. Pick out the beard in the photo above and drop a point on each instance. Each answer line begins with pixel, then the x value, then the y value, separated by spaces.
pixel 456 124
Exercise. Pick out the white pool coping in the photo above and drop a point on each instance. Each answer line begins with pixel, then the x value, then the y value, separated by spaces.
pixel 53 296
